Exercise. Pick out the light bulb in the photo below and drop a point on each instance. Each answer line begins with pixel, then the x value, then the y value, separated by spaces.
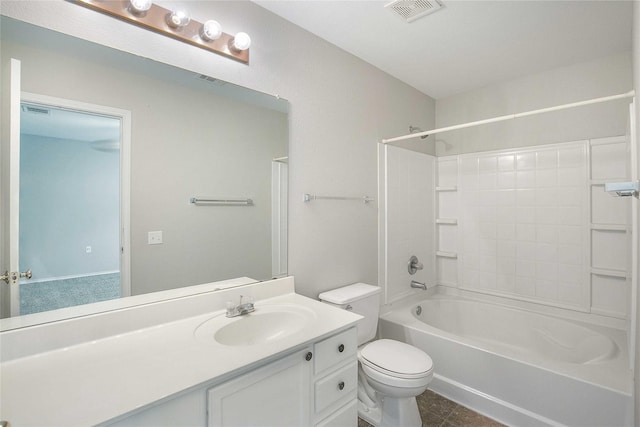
pixel 241 41
pixel 140 6
pixel 210 31
pixel 178 19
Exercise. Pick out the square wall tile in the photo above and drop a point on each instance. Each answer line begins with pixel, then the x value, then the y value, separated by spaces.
pixel 526 178
pixel 506 162
pixel 570 235
pixel 505 198
pixel 448 238
pixel 447 204
pixel 609 249
pixel 571 157
pixel 546 178
pixel 526 232
pixel 571 177
pixel 606 209
pixel 487 164
pixel 526 161
pixel 547 159
pixel 447 270
pixel 447 172
pixel 610 294
pixel 506 232
pixel 571 294
pixel 610 161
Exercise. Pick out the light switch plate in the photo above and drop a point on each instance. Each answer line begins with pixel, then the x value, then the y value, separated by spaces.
pixel 155 237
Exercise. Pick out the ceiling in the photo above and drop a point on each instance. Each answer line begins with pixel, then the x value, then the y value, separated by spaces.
pixel 467 45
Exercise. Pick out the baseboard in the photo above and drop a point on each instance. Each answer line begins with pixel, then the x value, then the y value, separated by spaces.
pixel 487 405
pixel 75 276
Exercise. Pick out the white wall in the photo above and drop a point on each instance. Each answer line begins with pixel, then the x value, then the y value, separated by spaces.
pixel 340 107
pixel 69 199
pixel 602 77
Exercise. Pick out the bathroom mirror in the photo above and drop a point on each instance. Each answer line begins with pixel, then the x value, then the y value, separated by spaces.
pixel 192 137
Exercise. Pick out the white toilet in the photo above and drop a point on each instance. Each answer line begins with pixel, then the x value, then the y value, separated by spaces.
pixel 391 373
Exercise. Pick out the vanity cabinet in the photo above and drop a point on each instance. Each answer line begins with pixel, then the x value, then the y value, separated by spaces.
pixel 277 394
pixel 315 385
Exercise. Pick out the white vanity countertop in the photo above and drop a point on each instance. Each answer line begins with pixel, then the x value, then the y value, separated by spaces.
pixel 93 382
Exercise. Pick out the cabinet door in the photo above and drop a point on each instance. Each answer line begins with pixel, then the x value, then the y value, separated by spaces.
pixel 277 395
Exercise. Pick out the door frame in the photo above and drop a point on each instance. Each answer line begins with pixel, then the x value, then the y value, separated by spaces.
pixel 125 170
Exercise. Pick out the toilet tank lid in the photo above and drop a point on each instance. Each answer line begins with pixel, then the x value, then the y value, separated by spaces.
pixel 350 293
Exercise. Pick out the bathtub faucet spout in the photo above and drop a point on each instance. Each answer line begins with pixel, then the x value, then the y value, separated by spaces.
pixel 418 285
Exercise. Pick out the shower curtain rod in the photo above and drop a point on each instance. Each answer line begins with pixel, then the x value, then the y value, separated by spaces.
pixel 510 117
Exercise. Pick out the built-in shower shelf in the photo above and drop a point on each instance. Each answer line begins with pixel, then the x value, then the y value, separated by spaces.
pixel 447 188
pixel 444 254
pixel 609 273
pixel 447 221
pixel 610 227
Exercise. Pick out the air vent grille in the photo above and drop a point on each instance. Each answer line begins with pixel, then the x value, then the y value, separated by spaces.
pixel 410 10
pixel 35 110
pixel 212 80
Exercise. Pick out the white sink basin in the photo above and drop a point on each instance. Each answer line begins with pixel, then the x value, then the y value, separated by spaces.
pixel 265 325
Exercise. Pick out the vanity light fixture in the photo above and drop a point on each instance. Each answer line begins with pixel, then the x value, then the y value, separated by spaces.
pixel 241 42
pixel 175 24
pixel 211 30
pixel 140 6
pixel 178 19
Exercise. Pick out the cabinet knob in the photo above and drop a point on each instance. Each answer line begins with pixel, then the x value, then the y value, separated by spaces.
pixel 341 348
pixel 341 385
pixel 308 356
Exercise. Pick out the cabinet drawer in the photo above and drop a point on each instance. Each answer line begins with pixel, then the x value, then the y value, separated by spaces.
pixel 347 416
pixel 336 349
pixel 336 386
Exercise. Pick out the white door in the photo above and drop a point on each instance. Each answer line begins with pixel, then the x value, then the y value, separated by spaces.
pixel 10 297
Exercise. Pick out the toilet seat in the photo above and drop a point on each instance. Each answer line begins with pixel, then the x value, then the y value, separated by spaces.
pixel 395 359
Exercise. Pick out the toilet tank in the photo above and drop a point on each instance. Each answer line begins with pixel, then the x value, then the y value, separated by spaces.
pixel 359 298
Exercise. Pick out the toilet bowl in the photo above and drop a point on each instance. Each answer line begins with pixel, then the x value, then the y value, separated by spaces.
pixel 391 373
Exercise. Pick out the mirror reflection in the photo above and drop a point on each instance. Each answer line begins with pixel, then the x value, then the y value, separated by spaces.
pixel 86 222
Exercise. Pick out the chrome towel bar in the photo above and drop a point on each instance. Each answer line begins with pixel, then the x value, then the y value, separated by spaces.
pixel 309 197
pixel 197 200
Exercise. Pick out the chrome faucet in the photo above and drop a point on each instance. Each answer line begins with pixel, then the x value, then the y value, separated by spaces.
pixel 240 309
pixel 418 285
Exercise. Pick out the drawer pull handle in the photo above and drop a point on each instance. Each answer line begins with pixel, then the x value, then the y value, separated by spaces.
pixel 341 348
pixel 308 356
pixel 341 385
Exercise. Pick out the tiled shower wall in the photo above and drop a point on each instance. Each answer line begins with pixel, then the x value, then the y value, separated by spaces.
pixel 535 224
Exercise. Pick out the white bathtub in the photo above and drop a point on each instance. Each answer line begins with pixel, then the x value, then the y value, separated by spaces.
pixel 518 366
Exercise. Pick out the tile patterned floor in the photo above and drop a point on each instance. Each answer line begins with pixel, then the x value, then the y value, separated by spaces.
pixel 437 411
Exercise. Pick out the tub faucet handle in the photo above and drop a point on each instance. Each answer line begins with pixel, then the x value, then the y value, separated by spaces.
pixel 414 265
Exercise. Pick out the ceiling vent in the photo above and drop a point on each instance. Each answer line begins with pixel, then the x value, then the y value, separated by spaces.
pixel 34 109
pixel 214 81
pixel 410 10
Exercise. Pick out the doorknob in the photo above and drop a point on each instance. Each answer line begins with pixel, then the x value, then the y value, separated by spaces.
pixel 15 275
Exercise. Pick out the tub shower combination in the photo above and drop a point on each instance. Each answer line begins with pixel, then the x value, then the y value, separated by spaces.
pixel 521 367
